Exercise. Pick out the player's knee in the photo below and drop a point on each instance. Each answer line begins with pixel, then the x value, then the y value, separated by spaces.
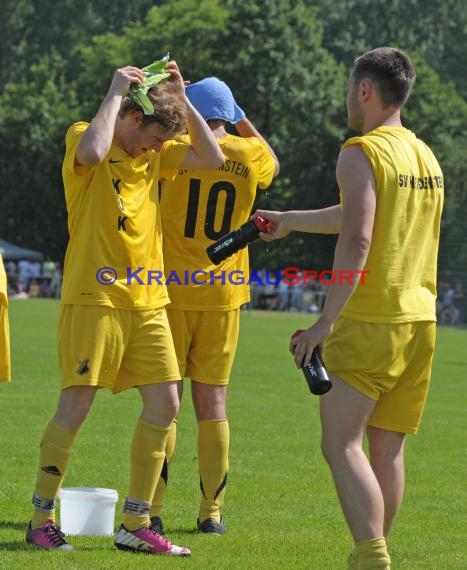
pixel 74 406
pixel 326 450
pixel 337 450
pixel 72 418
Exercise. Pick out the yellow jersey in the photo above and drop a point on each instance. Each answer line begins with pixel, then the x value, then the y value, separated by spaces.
pixel 3 284
pixel 114 254
pixel 400 285
pixel 199 207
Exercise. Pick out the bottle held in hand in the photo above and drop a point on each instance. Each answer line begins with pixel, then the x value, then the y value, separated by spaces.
pixel 315 373
pixel 237 239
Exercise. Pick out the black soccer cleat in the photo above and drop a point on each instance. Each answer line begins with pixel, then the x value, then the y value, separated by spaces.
pixel 211 526
pixel 157 526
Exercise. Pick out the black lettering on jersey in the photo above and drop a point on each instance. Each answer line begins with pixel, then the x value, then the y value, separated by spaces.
pixel 420 183
pixel 121 223
pixel 235 167
pixel 116 184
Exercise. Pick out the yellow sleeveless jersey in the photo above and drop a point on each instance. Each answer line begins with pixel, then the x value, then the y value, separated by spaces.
pixel 401 283
pixel 114 254
pixel 199 207
pixel 3 284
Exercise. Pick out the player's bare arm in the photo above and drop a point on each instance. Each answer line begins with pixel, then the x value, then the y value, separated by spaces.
pixel 96 141
pixel 205 153
pixel 245 128
pixel 357 186
pixel 324 221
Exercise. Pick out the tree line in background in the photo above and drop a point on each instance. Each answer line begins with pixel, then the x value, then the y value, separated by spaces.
pixel 287 63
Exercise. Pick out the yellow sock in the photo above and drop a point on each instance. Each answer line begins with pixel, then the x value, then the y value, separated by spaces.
pixel 147 458
pixel 159 494
pixel 370 555
pixel 55 451
pixel 213 459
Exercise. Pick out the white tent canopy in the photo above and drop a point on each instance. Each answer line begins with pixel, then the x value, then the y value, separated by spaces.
pixel 15 252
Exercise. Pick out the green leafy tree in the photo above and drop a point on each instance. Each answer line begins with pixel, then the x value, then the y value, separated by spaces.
pixel 273 60
pixel 294 91
pixel 435 28
pixel 34 115
pixel 189 30
pixel 32 28
pixel 438 115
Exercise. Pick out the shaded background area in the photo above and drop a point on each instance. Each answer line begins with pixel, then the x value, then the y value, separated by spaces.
pixel 287 63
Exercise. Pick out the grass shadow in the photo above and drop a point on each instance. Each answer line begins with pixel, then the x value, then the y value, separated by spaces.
pixel 13 525
pixel 14 546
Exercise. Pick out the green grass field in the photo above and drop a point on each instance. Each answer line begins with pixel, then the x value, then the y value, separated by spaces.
pixel 281 507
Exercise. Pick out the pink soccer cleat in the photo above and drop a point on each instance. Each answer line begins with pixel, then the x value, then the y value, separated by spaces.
pixel 47 536
pixel 147 540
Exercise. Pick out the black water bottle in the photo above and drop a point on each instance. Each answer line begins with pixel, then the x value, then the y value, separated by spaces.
pixel 315 373
pixel 237 239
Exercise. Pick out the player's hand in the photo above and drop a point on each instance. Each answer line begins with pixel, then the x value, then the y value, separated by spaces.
pixel 122 79
pixel 277 228
pixel 174 71
pixel 302 345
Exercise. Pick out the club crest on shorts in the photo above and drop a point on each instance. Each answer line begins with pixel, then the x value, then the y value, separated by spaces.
pixel 83 367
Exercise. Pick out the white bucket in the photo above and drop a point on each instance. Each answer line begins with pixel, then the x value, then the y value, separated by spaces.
pixel 87 511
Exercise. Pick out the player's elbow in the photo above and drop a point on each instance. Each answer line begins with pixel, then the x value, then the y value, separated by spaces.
pixel 359 245
pixel 89 156
pixel 216 160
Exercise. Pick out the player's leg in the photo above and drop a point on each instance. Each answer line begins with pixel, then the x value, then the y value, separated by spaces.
pixel 160 405
pixel 399 410
pixel 356 355
pixel 150 365
pixel 213 453
pixel 387 461
pixel 155 512
pixel 5 364
pixel 84 337
pixel 209 365
pixel 55 449
pixel 344 415
pixel 181 336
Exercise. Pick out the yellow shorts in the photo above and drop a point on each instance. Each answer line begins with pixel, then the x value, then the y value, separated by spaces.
pixel 205 343
pixel 5 365
pixel 389 363
pixel 116 349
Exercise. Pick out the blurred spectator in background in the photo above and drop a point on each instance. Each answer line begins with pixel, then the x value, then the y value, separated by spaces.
pixel 20 292
pixel 48 268
pixel 459 302
pixel 310 298
pixel 296 300
pixel 283 295
pixel 34 269
pixel 448 313
pixel 24 271
pixel 11 271
pixel 34 289
pixel 55 285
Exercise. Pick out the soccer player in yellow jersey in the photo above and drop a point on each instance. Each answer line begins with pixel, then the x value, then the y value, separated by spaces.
pixel 198 207
pixel 378 336
pixel 113 330
pixel 4 327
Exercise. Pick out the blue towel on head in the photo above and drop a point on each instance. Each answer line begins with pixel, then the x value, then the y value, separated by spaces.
pixel 213 99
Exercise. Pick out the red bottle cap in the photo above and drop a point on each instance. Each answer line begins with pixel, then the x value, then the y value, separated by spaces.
pixel 261 224
pixel 296 333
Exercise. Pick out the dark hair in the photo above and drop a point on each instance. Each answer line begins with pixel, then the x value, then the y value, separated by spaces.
pixel 390 70
pixel 170 109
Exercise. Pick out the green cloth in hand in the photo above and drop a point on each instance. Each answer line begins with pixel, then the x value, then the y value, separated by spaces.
pixel 153 74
